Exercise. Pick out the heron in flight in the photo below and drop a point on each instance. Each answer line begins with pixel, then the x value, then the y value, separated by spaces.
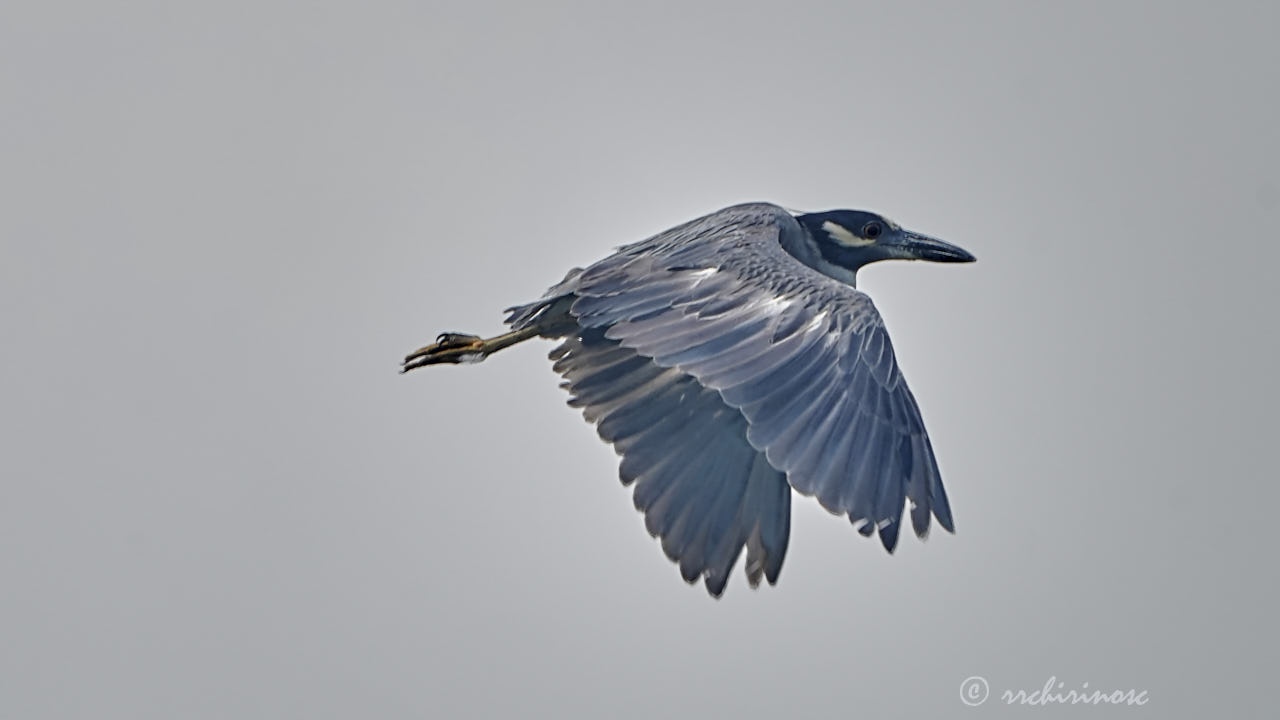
pixel 729 361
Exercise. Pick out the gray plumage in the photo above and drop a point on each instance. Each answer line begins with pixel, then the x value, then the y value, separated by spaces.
pixel 730 359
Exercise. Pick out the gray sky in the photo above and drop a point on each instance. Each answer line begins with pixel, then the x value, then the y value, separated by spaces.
pixel 223 226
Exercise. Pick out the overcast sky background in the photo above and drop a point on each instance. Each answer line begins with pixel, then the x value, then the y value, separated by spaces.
pixel 224 225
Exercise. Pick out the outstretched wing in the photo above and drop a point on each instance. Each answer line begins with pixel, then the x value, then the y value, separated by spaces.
pixel 704 490
pixel 804 360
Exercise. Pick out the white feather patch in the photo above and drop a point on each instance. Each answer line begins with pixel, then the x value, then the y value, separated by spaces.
pixel 841 235
pixel 777 303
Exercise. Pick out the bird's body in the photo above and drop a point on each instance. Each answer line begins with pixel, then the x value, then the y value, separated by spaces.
pixel 729 360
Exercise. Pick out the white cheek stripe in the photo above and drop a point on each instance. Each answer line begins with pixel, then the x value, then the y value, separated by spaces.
pixel 843 236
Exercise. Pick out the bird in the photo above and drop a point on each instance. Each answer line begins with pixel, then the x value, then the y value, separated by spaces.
pixel 731 361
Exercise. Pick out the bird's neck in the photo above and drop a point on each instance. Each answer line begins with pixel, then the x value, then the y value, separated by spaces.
pixel 800 245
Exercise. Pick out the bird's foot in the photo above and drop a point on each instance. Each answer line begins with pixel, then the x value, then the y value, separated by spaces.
pixel 459 348
pixel 448 348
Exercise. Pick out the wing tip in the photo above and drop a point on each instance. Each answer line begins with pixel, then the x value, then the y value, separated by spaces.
pixel 889 536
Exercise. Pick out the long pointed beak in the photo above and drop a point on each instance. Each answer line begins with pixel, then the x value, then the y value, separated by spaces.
pixel 915 246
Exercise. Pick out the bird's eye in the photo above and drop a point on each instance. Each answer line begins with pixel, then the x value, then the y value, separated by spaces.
pixel 871 230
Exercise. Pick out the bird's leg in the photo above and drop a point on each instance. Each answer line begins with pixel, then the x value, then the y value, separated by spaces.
pixel 459 348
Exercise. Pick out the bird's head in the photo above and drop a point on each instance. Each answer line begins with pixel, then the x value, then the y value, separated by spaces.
pixel 849 239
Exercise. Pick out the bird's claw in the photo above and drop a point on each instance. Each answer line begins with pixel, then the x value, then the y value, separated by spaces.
pixel 452 340
pixel 448 348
